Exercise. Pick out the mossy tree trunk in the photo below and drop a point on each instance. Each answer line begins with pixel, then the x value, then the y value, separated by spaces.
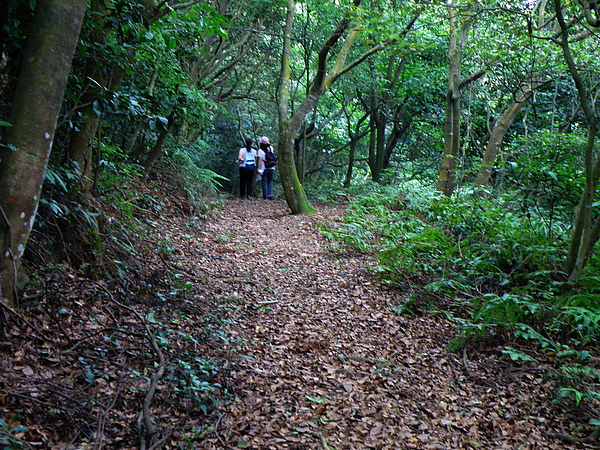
pixel 292 188
pixel 34 112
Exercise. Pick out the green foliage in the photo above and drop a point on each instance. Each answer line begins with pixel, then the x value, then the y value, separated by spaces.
pixel 497 261
pixel 192 380
pixel 579 310
pixel 355 234
pixel 494 260
pixel 116 170
pixel 577 383
pixel 187 169
pixel 517 355
pixel 8 432
pixel 546 171
pixel 67 223
pixel 466 243
pixel 506 309
pixel 189 161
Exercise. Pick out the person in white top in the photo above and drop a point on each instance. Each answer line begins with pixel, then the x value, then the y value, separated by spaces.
pixel 248 163
pixel 266 168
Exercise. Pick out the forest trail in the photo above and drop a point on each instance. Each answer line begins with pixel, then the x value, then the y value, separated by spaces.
pixel 319 360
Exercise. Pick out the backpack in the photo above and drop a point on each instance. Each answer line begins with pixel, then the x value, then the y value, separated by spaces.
pixel 270 158
pixel 249 160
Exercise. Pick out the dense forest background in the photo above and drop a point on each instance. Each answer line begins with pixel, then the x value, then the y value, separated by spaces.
pixel 462 135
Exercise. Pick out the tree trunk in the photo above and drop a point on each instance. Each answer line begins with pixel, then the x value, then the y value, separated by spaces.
pixel 447 177
pixel 401 126
pixel 497 136
pixel 82 143
pixel 586 226
pixel 128 150
pixel 300 153
pixel 355 137
pixel 351 153
pixel 158 146
pixel 82 138
pixel 34 112
pixel 380 120
pixel 379 105
pixel 292 188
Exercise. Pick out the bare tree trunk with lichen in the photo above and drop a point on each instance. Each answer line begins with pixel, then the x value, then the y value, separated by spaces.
pixel 34 112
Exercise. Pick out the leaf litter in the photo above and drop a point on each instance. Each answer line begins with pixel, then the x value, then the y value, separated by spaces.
pixel 304 346
pixel 329 364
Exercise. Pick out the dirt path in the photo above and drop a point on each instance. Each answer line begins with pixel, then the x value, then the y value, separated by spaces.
pixel 319 359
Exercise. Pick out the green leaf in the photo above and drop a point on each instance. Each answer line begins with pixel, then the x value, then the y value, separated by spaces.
pixel 517 355
pixel 242 444
pixel 315 399
pixel 150 317
pixel 5 124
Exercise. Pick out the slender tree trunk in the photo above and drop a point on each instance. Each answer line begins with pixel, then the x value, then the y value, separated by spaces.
pixel 497 136
pixel 372 158
pixel 82 138
pixel 447 177
pixel 355 137
pixel 300 153
pixel 380 127
pixel 81 144
pixel 34 112
pixel 401 126
pixel 158 146
pixel 133 139
pixel 351 153
pixel 385 143
pixel 586 226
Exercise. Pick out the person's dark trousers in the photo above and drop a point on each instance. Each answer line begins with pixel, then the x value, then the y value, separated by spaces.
pixel 266 183
pixel 246 182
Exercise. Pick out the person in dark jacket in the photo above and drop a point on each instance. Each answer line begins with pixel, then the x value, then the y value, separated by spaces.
pixel 266 168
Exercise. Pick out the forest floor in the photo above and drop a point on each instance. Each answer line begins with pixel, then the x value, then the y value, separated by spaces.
pixel 308 350
pixel 323 361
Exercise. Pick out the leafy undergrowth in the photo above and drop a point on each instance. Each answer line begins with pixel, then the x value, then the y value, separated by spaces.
pixel 247 331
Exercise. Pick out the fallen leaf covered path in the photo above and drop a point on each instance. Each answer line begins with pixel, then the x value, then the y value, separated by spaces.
pixel 316 357
pixel 248 330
